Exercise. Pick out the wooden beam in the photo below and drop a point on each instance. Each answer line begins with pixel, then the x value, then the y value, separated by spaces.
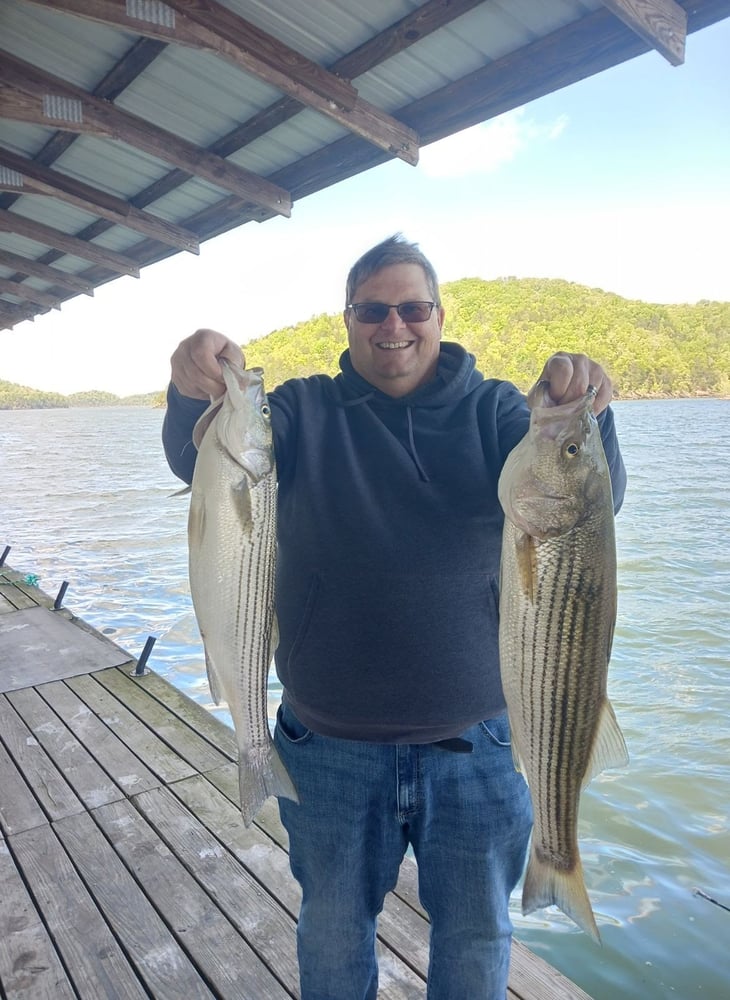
pixel 36 179
pixel 11 222
pixel 25 267
pixel 661 23
pixel 28 294
pixel 11 315
pixel 213 28
pixel 31 95
pixel 262 54
pixel 565 57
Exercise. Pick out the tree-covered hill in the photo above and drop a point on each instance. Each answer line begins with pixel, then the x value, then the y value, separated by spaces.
pixel 512 325
pixel 22 397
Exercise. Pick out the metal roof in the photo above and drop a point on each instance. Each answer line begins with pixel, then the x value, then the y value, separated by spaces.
pixel 131 130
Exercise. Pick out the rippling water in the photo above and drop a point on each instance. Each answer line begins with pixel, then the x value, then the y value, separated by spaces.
pixel 86 497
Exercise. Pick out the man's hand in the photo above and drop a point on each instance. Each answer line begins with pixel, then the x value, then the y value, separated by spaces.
pixel 195 369
pixel 568 377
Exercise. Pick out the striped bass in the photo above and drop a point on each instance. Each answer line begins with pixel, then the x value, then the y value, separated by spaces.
pixel 557 615
pixel 232 556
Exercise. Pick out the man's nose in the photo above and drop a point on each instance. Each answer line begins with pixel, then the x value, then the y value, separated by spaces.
pixel 393 320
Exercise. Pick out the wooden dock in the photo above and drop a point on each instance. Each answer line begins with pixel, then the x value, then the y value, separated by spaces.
pixel 125 868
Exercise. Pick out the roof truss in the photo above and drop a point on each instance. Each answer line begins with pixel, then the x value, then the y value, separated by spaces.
pixel 619 30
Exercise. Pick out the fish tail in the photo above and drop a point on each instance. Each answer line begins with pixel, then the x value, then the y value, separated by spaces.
pixel 546 885
pixel 261 773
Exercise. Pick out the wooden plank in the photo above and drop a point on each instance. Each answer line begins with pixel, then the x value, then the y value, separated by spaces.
pixel 36 269
pixel 28 93
pixel 52 790
pixel 117 263
pixel 210 27
pixel 95 962
pixel 37 179
pixel 19 809
pixel 88 780
pixel 188 744
pixel 16 597
pixel 400 928
pixel 5 606
pixel 193 714
pixel 661 23
pixel 151 750
pixel 127 770
pixel 222 953
pixel 29 594
pixel 156 956
pixel 28 294
pixel 30 968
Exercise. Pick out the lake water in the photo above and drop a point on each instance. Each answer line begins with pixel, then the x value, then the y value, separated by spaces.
pixel 85 497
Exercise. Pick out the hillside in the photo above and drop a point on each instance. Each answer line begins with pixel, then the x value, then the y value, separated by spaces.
pixel 512 325
pixel 22 397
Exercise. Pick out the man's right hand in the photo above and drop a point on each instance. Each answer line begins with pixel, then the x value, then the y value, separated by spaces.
pixel 195 371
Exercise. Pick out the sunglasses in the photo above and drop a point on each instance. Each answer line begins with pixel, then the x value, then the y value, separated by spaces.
pixel 376 312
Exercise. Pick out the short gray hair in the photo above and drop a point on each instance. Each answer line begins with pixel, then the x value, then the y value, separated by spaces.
pixel 393 250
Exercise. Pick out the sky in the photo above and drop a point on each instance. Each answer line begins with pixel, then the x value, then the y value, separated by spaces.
pixel 619 182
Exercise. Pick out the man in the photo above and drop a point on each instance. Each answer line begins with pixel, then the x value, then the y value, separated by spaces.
pixel 393 724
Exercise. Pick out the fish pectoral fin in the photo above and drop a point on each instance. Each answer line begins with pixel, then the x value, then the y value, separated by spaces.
pixel 609 746
pixel 274 642
pixel 526 564
pixel 213 682
pixel 205 420
pixel 196 524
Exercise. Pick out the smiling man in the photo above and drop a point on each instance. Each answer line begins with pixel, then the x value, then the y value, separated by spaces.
pixel 393 724
pixel 394 344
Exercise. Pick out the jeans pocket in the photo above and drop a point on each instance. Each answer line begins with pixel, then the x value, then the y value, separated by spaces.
pixel 497 730
pixel 289 726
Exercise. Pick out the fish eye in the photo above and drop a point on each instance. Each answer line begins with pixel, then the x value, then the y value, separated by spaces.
pixel 266 410
pixel 572 449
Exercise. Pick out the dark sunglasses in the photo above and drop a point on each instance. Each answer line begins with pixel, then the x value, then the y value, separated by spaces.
pixel 376 312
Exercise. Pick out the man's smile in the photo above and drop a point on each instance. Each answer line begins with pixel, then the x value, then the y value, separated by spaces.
pixel 394 345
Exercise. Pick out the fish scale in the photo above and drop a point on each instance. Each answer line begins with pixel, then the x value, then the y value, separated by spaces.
pixel 232 564
pixel 557 612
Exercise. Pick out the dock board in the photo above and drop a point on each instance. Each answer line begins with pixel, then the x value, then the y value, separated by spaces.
pixel 125 868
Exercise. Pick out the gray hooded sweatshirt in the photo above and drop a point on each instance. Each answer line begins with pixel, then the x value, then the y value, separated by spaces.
pixel 389 536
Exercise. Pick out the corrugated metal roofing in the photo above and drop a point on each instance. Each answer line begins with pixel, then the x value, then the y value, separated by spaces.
pixel 202 138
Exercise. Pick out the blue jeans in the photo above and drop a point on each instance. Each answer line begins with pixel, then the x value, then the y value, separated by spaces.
pixel 468 818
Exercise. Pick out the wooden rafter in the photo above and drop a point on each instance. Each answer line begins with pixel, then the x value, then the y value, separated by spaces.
pixel 26 267
pixel 208 26
pixel 28 294
pixel 35 179
pixel 30 95
pixel 661 23
pixel 546 65
pixel 12 222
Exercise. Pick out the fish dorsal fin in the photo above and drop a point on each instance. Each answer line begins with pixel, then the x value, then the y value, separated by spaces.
pixel 526 564
pixel 609 746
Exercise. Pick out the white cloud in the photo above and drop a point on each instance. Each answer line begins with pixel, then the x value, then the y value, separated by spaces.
pixel 484 148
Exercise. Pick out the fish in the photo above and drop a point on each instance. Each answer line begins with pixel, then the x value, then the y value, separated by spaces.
pixel 232 566
pixel 558 602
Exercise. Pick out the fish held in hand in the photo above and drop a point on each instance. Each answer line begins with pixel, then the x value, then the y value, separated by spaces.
pixel 232 561
pixel 557 616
